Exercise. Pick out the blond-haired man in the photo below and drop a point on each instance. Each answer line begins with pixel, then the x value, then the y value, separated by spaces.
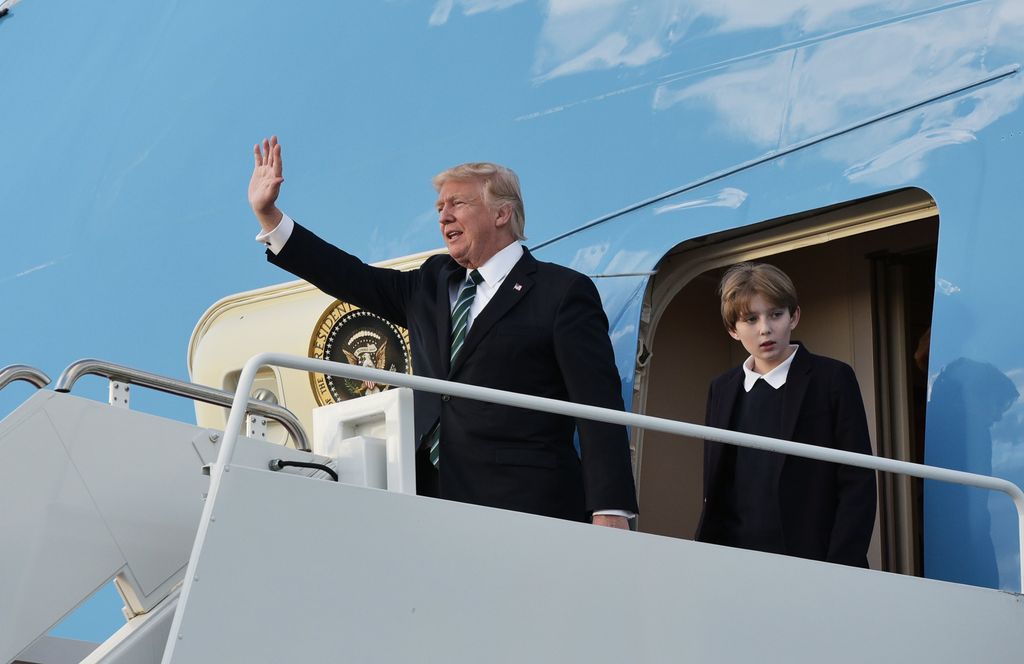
pixel 488 314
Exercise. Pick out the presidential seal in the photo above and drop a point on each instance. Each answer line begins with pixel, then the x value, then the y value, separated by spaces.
pixel 346 333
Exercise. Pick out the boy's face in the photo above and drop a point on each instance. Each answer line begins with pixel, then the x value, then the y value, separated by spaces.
pixel 764 331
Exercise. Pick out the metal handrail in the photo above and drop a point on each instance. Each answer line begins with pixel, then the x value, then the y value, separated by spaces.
pixel 13 372
pixel 600 415
pixel 181 388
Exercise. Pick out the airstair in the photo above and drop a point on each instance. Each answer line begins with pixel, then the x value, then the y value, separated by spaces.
pixel 224 551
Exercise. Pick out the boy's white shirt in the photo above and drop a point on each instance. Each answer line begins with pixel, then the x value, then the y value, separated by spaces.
pixel 776 377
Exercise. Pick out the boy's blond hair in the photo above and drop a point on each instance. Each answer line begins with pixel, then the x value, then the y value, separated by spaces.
pixel 742 282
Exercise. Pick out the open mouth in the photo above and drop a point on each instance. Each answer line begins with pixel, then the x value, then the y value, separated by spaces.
pixel 451 235
pixel 767 345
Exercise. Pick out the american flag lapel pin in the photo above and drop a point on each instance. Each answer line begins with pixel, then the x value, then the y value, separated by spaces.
pixel 518 287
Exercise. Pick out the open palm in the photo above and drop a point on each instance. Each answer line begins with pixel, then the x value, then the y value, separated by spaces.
pixel 265 184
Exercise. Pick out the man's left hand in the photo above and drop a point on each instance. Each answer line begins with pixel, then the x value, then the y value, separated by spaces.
pixel 611 521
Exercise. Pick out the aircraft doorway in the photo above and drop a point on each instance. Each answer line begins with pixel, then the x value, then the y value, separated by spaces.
pixel 864 273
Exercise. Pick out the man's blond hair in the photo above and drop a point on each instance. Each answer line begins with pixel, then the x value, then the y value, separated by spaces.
pixel 501 187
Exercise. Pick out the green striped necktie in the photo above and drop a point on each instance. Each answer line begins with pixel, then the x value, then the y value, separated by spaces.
pixel 460 326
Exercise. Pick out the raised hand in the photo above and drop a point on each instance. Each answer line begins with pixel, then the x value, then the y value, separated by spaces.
pixel 265 184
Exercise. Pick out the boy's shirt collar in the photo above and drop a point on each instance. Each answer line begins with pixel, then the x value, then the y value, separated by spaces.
pixel 776 377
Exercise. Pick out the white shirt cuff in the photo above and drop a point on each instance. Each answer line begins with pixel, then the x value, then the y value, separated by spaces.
pixel 276 238
pixel 628 515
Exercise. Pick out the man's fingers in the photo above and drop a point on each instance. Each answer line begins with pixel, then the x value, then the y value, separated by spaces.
pixel 266 152
pixel 271 145
pixel 611 521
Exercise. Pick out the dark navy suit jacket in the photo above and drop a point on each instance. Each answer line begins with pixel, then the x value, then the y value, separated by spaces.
pixel 826 511
pixel 544 333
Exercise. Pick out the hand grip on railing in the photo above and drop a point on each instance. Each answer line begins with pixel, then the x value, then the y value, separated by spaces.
pixel 24 372
pixel 181 388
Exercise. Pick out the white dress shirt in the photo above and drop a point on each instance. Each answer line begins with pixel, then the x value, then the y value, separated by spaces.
pixel 494 272
pixel 276 238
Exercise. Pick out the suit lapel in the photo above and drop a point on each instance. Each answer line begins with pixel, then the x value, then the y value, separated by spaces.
pixel 512 290
pixel 721 413
pixel 797 380
pixel 443 304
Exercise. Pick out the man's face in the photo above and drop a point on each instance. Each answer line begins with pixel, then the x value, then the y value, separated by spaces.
pixel 764 331
pixel 473 231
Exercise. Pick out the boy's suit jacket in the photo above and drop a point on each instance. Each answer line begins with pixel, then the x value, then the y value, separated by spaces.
pixel 827 510
pixel 544 333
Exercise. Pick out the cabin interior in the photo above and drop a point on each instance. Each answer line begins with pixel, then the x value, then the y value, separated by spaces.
pixel 864 273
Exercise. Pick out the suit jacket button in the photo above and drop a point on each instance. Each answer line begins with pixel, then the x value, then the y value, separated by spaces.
pixel 446 397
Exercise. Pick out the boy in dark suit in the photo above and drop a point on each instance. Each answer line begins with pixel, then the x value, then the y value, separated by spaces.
pixel 767 501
